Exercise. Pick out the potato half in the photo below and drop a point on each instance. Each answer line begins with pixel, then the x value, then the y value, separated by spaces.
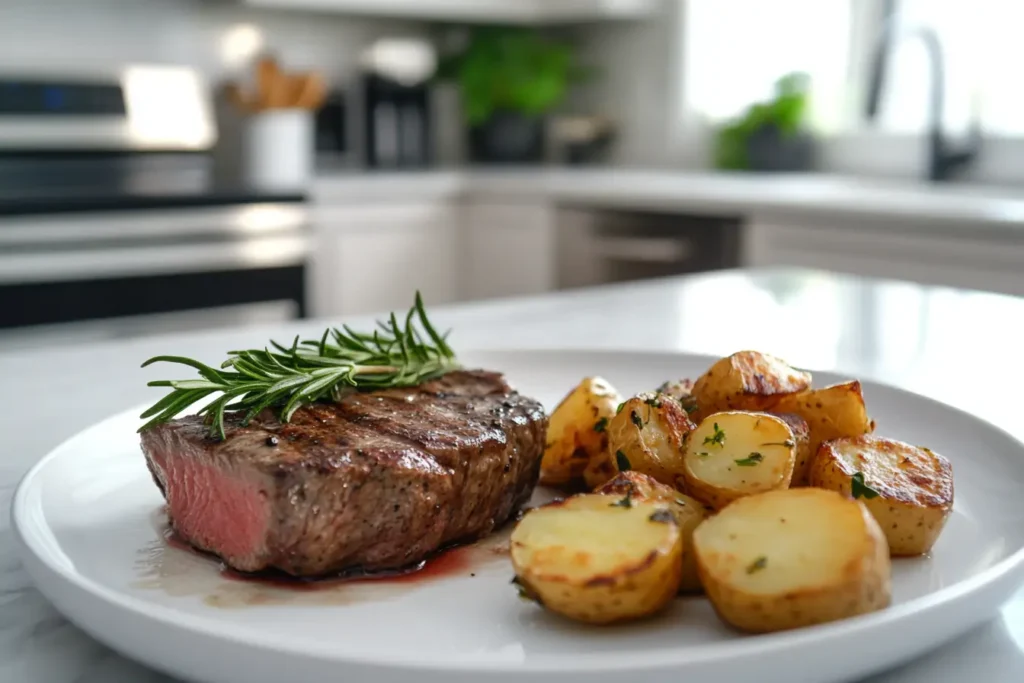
pixel 804 454
pixel 577 431
pixel 908 489
pixel 599 558
pixel 833 412
pixel 647 436
pixel 793 558
pixel 747 380
pixel 689 513
pixel 734 454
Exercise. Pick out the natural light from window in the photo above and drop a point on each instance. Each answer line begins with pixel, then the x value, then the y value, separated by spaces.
pixel 735 51
pixel 983 53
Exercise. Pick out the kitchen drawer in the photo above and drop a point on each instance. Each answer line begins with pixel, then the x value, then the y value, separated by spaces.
pixel 974 260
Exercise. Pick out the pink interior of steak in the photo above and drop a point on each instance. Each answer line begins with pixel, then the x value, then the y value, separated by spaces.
pixel 217 511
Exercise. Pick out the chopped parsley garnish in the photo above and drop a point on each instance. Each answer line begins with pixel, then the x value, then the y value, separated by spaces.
pixel 718 439
pixel 788 443
pixel 703 454
pixel 757 565
pixel 750 460
pixel 601 424
pixel 622 461
pixel 689 404
pixel 653 401
pixel 662 517
pixel 627 501
pixel 619 409
pixel 860 489
pixel 524 593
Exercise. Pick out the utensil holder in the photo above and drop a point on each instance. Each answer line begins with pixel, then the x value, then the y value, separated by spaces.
pixel 277 150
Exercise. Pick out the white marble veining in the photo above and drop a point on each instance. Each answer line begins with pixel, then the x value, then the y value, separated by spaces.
pixel 941 342
pixel 929 205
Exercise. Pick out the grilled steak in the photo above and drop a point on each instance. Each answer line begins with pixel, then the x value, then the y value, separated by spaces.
pixel 378 480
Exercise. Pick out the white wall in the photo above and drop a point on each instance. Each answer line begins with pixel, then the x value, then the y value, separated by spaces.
pixel 104 34
pixel 638 83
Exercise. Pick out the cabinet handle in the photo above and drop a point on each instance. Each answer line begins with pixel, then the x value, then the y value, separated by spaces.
pixel 646 250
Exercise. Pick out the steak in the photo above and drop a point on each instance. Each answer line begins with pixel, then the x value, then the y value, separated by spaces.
pixel 378 480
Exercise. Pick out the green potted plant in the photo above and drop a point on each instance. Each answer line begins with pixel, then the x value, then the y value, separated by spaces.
pixel 509 78
pixel 771 135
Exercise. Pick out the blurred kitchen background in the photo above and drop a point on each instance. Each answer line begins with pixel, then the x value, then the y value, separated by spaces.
pixel 170 165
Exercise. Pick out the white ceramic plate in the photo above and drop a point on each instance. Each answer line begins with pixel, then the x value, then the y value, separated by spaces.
pixel 87 517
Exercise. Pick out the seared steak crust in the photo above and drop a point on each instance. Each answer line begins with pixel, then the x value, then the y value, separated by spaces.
pixel 378 480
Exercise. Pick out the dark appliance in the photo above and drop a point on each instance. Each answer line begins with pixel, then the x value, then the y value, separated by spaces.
pixel 397 123
pixel 332 126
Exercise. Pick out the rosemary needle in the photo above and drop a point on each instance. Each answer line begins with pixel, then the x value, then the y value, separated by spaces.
pixel 395 355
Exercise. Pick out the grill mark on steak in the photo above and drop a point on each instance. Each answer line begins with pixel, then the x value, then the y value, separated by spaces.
pixel 378 480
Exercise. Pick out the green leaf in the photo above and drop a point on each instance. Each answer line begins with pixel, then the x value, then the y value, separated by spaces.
pixel 860 489
pixel 622 462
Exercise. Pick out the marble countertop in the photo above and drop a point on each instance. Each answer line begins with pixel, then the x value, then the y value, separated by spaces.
pixel 926 339
pixel 933 205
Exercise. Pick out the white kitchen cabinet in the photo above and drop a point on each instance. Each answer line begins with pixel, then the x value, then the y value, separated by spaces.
pixel 955 256
pixel 513 11
pixel 371 258
pixel 508 247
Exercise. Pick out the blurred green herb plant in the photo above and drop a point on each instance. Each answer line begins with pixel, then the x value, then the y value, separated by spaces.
pixel 516 69
pixel 785 111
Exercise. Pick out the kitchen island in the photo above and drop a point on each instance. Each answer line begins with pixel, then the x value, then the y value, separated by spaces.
pixel 923 338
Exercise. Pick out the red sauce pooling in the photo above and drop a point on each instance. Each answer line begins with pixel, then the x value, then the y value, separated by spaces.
pixel 445 563
pixel 449 562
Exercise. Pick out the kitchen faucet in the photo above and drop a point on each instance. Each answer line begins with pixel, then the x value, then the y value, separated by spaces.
pixel 943 160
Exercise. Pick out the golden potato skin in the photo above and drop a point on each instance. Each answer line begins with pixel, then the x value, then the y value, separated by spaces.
pixel 833 412
pixel 802 437
pixel 599 559
pixel 747 380
pixel 599 470
pixel 649 433
pixel 682 391
pixel 640 486
pixel 792 558
pixel 689 513
pixel 914 487
pixel 577 431
pixel 718 473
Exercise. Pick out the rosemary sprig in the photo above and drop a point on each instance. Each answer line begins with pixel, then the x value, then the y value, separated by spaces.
pixel 287 377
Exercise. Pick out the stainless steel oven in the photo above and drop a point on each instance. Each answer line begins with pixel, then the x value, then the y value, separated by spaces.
pixel 112 222
pixel 122 273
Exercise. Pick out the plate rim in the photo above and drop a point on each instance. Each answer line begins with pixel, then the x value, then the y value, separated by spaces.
pixel 750 646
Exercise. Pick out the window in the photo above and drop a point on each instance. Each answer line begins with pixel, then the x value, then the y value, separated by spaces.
pixel 982 54
pixel 735 51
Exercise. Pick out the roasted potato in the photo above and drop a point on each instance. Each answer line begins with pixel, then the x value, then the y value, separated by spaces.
pixel 747 380
pixel 908 489
pixel 833 412
pixel 802 437
pixel 734 454
pixel 647 435
pixel 682 391
pixel 792 558
pixel 577 431
pixel 599 558
pixel 689 513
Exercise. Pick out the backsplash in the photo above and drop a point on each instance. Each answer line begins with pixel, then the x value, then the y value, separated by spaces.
pixel 205 34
